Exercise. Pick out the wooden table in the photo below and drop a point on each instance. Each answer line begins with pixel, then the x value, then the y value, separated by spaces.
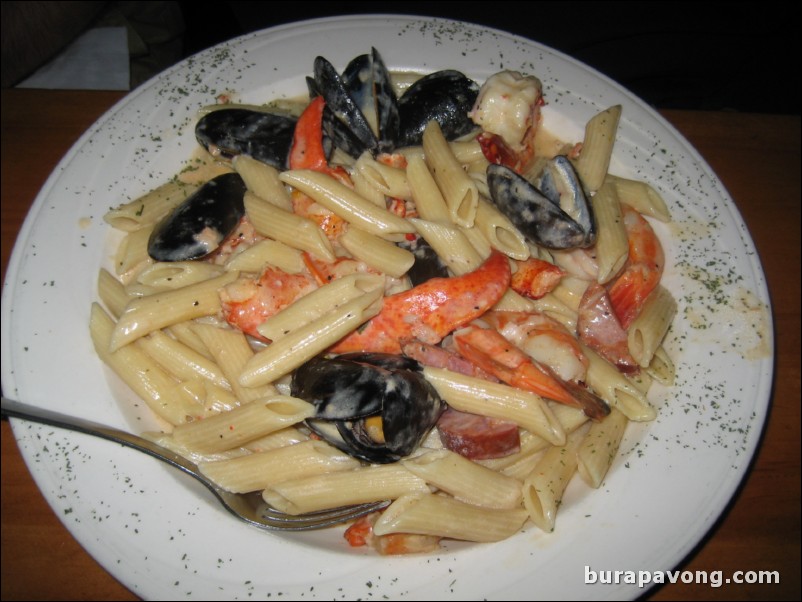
pixel 758 159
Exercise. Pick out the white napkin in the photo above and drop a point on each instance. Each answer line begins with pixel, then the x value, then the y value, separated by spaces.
pixel 97 60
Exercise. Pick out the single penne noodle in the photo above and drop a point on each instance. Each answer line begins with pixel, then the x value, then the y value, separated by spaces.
pixel 478 241
pixel 450 244
pixel 429 201
pixel 466 151
pixel 262 470
pixel 478 172
pixel 641 197
pixel 390 181
pixel 180 360
pixel 614 388
pixel 318 303
pixel 570 292
pixel 282 438
pixel 183 332
pixel 612 244
pixel 346 203
pixel 500 231
pixel 649 329
pixel 219 399
pixel 331 490
pixel 661 368
pixel 467 481
pixel 112 293
pixel 242 424
pixel 262 180
pixel 166 440
pixel 512 301
pixel 144 315
pixel 137 370
pixel 597 147
pixel 551 305
pixel 285 355
pixel 365 188
pixel 132 254
pixel 543 489
pixel 176 274
pixel 642 380
pixel 377 252
pixel 496 400
pixel 599 448
pixel 427 514
pixel 254 258
pixel 149 208
pixel 285 226
pixel 458 188
pixel 232 352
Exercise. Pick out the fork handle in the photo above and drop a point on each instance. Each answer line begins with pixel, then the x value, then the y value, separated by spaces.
pixel 16 409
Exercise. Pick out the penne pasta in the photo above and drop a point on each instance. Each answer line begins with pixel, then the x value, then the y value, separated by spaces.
pixel 262 470
pixel 343 201
pixel 263 181
pixel 143 316
pixel 465 480
pixel 459 190
pixel 428 514
pixel 150 207
pixel 647 332
pixel 599 448
pixel 248 422
pixel 597 148
pixel 332 490
pixel 641 196
pixel 612 245
pixel 376 252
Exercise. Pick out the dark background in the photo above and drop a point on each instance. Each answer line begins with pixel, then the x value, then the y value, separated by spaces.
pixel 709 56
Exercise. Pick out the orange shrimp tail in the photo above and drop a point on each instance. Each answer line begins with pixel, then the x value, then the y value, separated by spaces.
pixel 643 271
pixel 307 144
pixel 429 311
pixel 535 278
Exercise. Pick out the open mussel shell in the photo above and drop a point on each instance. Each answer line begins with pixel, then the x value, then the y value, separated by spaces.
pixel 198 225
pixel 344 121
pixel 267 137
pixel 536 208
pixel 444 96
pixel 349 389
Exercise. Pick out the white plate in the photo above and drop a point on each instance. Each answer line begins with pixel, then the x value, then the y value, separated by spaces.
pixel 163 537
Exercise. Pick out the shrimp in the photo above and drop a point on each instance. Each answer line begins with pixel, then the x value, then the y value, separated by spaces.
pixel 535 278
pixel 642 271
pixel 494 353
pixel 429 311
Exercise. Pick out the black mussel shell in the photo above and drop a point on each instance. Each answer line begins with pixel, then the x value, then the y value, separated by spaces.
pixel 350 388
pixel 444 96
pixel 368 81
pixel 198 225
pixel 267 137
pixel 539 218
pixel 343 119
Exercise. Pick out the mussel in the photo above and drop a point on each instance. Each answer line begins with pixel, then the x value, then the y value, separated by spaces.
pixel 364 114
pixel 267 137
pixel 444 96
pixel 374 406
pixel 198 225
pixel 553 210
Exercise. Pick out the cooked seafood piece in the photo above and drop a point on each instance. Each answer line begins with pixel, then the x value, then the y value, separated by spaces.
pixel 552 211
pixel 199 225
pixel 266 137
pixel 380 405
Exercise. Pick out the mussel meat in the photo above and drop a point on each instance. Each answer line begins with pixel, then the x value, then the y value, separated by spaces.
pixel 380 405
pixel 553 211
pixel 267 137
pixel 198 225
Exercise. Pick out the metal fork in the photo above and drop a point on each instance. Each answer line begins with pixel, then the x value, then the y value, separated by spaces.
pixel 249 507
